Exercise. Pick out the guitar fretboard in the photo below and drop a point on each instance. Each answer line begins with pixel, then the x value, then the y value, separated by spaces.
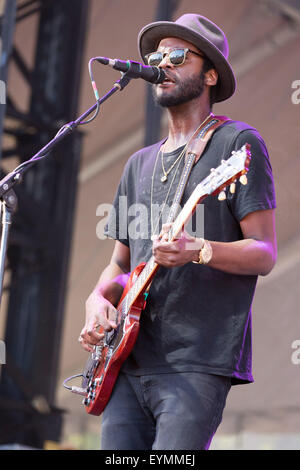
pixel 139 285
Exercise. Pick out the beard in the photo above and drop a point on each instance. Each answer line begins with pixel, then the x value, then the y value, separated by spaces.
pixel 187 90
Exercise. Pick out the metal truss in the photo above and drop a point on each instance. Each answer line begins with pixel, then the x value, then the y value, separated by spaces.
pixel 40 238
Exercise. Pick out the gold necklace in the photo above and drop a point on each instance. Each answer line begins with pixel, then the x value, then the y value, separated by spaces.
pixel 153 230
pixel 164 178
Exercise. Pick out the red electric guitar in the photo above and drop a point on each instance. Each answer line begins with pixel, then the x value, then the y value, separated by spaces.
pixel 104 363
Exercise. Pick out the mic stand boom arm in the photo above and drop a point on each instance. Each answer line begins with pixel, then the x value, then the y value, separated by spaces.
pixel 8 198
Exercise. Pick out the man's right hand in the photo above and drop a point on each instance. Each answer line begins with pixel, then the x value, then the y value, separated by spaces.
pixel 100 315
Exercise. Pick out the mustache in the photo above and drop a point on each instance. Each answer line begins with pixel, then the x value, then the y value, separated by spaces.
pixel 171 77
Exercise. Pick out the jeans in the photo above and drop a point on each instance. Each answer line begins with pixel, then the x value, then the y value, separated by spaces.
pixel 164 411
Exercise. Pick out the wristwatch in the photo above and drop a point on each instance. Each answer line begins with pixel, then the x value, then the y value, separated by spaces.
pixel 205 254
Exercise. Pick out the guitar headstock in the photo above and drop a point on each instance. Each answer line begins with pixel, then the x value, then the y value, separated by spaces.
pixel 228 172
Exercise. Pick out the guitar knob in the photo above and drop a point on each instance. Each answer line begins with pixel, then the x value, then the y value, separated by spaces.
pixel 232 188
pixel 98 381
pixel 243 180
pixel 222 196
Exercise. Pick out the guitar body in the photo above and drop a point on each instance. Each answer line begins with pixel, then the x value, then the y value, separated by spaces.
pixel 104 364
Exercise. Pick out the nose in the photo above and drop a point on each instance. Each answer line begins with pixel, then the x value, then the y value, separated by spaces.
pixel 165 62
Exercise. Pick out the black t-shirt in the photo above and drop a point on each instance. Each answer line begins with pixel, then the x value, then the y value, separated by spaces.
pixel 197 318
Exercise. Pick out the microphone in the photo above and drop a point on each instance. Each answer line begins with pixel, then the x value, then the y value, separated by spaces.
pixel 135 69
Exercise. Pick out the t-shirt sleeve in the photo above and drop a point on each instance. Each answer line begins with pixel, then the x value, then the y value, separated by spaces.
pixel 117 226
pixel 259 193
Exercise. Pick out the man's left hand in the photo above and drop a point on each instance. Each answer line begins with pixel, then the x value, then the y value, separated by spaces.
pixel 183 249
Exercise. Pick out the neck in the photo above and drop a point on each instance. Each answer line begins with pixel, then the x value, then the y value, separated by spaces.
pixel 183 120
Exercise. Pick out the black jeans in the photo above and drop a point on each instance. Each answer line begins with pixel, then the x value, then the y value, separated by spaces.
pixel 164 411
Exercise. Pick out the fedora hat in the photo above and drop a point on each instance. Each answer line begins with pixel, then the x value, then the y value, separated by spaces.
pixel 201 32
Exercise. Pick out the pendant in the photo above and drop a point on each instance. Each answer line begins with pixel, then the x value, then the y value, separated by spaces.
pixel 164 178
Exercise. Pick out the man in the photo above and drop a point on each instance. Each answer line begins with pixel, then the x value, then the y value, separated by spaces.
pixel 195 332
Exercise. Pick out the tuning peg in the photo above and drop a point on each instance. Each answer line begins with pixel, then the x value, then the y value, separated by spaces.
pixel 232 188
pixel 243 180
pixel 222 196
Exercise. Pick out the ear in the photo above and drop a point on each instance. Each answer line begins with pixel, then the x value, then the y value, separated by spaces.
pixel 211 77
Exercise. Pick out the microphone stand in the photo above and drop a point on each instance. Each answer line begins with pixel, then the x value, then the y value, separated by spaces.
pixel 8 198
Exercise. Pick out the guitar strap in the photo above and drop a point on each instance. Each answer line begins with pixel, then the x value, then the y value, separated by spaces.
pixel 193 154
pixel 204 134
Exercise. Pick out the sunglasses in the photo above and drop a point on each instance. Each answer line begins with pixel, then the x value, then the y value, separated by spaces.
pixel 175 56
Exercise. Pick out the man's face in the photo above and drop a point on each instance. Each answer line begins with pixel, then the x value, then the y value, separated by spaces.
pixel 185 82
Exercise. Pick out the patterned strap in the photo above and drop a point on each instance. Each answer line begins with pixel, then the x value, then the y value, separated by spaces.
pixel 201 139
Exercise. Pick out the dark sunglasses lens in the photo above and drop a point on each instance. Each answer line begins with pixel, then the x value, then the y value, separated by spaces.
pixel 155 59
pixel 177 57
